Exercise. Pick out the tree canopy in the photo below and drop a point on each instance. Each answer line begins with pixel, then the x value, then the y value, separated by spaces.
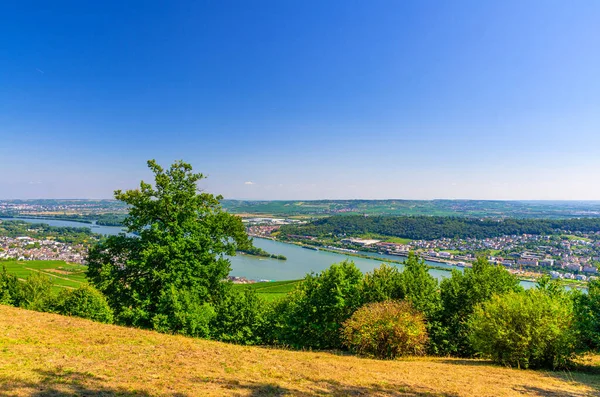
pixel 168 272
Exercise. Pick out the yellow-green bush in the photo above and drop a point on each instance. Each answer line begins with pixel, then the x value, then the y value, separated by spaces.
pixel 532 329
pixel 386 330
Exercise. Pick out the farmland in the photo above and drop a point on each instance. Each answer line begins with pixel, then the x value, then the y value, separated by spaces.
pixel 63 275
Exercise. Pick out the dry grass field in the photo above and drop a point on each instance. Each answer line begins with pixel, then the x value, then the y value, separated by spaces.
pixel 50 355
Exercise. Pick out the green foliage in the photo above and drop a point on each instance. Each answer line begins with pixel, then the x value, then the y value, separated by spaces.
pixel 587 316
pixel 420 287
pixel 184 312
pixel 460 294
pixel 531 329
pixel 384 283
pixel 85 302
pixel 169 276
pixel 36 293
pixel 240 318
pixel 386 330
pixel 9 288
pixel 434 227
pixel 311 316
pixel 257 251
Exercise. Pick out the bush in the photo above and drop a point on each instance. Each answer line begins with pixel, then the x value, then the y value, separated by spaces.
pixel 312 315
pixel 183 312
pixel 384 283
pixel 460 294
pixel 85 302
pixel 36 293
pixel 531 329
pixel 587 316
pixel 386 330
pixel 239 318
pixel 9 288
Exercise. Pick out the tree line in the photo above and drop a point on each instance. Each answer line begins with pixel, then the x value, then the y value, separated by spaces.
pixel 435 227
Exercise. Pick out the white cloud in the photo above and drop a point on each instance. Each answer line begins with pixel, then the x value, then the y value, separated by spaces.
pixel 249 183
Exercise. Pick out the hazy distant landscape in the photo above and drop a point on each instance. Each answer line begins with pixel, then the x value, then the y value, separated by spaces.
pixel 469 208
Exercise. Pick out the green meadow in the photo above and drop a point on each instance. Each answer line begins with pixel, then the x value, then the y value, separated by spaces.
pixel 63 275
pixel 271 291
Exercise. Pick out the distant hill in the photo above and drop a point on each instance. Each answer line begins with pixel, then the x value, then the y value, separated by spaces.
pixel 469 208
pixel 50 355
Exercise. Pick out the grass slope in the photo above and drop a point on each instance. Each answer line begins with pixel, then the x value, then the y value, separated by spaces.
pixel 63 275
pixel 49 355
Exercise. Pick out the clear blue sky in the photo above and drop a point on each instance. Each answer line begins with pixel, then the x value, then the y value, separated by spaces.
pixel 303 99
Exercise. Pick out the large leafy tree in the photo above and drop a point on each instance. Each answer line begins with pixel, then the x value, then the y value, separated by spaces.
pixel 168 271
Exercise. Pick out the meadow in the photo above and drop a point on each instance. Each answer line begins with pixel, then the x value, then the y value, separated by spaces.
pixel 270 291
pixel 63 275
pixel 45 354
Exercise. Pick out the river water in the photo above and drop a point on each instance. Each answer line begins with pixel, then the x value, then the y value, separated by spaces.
pixel 300 261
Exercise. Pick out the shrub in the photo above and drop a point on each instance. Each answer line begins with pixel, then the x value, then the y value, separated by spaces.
pixel 384 283
pixel 9 288
pixel 386 330
pixel 85 302
pixel 36 293
pixel 531 329
pixel 587 316
pixel 312 315
pixel 239 318
pixel 460 294
pixel 188 314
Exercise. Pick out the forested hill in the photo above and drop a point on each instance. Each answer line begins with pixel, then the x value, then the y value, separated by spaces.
pixel 429 228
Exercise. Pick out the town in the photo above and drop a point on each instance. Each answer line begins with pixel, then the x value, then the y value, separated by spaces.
pixel 27 248
pixel 565 255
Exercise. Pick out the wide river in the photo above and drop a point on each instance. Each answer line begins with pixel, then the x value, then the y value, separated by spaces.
pixel 300 261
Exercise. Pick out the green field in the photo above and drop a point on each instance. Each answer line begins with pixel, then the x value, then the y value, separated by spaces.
pixel 63 275
pixel 271 291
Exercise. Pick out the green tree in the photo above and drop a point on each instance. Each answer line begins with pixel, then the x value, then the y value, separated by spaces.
pixel 9 288
pixel 420 287
pixel 36 293
pixel 240 318
pixel 460 294
pixel 85 302
pixel 312 315
pixel 531 329
pixel 587 316
pixel 384 283
pixel 169 271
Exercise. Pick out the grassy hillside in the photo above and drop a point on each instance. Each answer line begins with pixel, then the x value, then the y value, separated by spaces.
pixel 50 355
pixel 271 291
pixel 63 275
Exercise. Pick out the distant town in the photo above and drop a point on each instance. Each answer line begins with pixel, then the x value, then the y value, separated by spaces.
pixel 573 256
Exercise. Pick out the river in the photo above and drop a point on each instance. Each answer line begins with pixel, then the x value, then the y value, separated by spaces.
pixel 300 261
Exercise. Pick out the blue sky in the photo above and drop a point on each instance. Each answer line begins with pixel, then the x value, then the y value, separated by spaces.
pixel 303 99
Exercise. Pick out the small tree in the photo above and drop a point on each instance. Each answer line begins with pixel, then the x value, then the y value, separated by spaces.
pixel 420 287
pixel 460 294
pixel 36 293
pixel 312 315
pixel 587 316
pixel 386 330
pixel 169 274
pixel 240 318
pixel 384 283
pixel 9 288
pixel 531 329
pixel 85 302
